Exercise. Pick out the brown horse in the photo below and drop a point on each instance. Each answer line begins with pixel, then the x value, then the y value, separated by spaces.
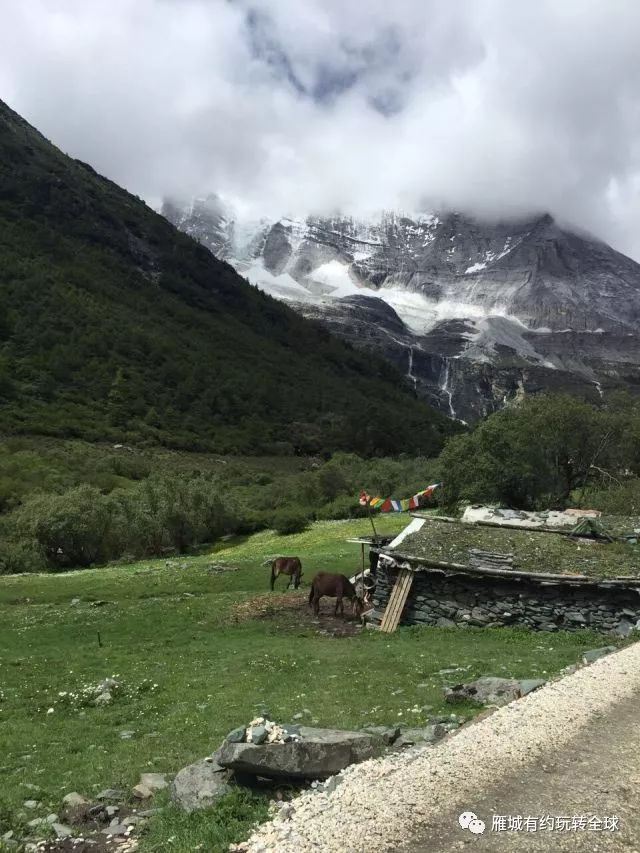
pixel 287 566
pixel 335 586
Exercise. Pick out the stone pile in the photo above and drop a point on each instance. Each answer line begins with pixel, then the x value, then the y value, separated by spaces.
pixel 489 602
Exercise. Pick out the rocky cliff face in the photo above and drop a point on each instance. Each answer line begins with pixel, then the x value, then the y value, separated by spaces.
pixel 473 313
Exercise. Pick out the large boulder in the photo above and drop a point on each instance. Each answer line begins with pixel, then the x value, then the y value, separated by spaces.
pixel 317 754
pixel 199 785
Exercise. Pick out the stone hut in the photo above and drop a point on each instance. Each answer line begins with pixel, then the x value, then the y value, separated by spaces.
pixel 491 574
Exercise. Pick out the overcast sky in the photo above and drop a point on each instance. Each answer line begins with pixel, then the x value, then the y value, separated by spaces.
pixel 498 107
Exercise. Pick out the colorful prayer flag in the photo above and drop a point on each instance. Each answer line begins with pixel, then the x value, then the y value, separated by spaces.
pixel 393 505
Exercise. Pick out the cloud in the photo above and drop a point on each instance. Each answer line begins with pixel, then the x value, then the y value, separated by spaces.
pixel 488 106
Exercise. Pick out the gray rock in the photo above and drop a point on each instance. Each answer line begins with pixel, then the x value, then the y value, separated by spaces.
pixel 258 734
pixel 116 829
pixel 126 735
pixel 291 730
pixel 52 818
pixel 103 699
pixel 594 654
pixel 387 733
pixel 236 736
pixel 31 804
pixel 495 691
pixel 528 685
pixel 154 781
pixel 112 811
pixel 574 616
pixel 113 794
pixel 624 628
pixel 318 754
pixel 443 622
pixel 428 734
pixel 332 783
pixel 141 792
pixel 75 602
pixel 201 784
pixel 74 799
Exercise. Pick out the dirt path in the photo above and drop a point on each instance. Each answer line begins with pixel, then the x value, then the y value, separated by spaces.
pixel 569 749
pixel 596 774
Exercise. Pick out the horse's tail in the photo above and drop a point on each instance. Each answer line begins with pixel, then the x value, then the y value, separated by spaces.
pixel 311 592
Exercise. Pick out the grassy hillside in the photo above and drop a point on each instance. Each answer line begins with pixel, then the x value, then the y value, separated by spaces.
pixel 114 325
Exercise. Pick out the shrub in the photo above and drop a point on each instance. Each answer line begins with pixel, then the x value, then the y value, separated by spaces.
pixel 19 557
pixel 345 506
pixel 71 529
pixel 620 499
pixel 288 521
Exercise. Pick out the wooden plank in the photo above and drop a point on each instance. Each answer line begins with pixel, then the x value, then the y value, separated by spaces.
pixel 397 601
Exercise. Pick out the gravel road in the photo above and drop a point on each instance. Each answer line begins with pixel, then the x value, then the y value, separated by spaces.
pixel 574 743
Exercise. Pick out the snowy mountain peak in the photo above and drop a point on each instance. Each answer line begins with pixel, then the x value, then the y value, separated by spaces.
pixel 453 294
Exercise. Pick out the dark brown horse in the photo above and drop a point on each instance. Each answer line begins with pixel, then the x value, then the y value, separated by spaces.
pixel 287 566
pixel 335 586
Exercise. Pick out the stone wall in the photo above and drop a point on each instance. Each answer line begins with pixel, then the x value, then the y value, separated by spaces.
pixel 449 600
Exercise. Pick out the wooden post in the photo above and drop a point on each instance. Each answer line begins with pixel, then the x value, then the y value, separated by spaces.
pixel 375 532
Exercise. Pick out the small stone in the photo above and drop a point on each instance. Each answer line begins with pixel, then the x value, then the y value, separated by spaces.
pixel 154 781
pixel 257 734
pixel 332 783
pixel 141 792
pixel 387 733
pixel 594 654
pixel 112 811
pixel 62 830
pixel 126 735
pixel 297 716
pixel 103 699
pixel 75 602
pixel 31 804
pixel 113 794
pixel 52 818
pixel 116 829
pixel 574 616
pixel 236 736
pixel 74 799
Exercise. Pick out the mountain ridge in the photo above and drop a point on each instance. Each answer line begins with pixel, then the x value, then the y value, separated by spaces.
pixel 114 325
pixel 496 309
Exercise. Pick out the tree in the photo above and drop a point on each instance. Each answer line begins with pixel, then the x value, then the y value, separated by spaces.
pixel 534 454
